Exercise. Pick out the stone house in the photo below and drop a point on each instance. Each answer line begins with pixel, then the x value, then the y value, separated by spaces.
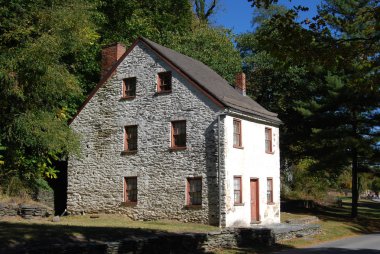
pixel 165 137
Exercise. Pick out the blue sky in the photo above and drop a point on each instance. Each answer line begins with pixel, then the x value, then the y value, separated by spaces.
pixel 237 14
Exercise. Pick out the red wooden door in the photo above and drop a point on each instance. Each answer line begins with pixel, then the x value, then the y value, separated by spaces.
pixel 254 200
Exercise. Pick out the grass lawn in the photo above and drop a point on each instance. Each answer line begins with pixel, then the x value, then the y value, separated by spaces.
pixel 335 223
pixel 16 233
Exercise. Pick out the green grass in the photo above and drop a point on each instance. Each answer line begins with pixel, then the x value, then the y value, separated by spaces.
pixel 18 233
pixel 335 223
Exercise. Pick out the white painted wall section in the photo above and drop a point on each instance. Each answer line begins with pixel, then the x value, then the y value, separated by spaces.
pixel 251 161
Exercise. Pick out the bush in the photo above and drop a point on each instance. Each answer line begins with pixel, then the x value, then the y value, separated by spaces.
pixel 16 188
pixel 305 184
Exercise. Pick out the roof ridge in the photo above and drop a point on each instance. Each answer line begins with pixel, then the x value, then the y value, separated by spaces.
pixel 222 90
pixel 200 75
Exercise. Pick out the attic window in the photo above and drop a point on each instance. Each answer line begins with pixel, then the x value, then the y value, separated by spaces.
pixel 164 82
pixel 129 88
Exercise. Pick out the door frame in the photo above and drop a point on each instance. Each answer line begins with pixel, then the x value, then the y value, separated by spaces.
pixel 257 180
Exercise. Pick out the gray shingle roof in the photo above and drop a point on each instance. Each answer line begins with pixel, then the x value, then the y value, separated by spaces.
pixel 213 83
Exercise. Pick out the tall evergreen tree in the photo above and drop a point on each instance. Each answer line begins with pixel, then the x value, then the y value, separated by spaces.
pixel 335 57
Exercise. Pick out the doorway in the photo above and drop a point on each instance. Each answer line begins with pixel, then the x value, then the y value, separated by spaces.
pixel 255 200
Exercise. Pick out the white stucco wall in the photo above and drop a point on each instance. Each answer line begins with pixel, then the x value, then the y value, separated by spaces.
pixel 251 162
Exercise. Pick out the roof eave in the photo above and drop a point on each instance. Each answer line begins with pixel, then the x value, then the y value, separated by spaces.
pixel 273 120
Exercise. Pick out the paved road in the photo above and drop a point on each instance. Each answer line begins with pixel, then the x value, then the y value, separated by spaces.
pixel 366 244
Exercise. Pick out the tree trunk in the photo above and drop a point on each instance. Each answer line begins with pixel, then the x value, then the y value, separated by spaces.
pixel 355 192
pixel 354 188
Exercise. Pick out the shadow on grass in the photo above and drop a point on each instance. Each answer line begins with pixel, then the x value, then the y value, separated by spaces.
pixel 39 238
pixel 368 220
pixel 277 247
pixel 42 238
pixel 330 251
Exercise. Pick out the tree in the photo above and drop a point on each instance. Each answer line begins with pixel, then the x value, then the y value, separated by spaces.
pixel 203 11
pixel 125 20
pixel 262 3
pixel 41 46
pixel 338 105
pixel 212 46
pixel 376 185
pixel 172 24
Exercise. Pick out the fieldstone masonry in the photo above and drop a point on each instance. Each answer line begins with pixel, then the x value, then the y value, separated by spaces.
pixel 96 178
pixel 27 211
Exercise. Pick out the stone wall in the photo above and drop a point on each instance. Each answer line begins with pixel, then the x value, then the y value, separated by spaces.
pixel 96 178
pixel 46 197
pixel 26 211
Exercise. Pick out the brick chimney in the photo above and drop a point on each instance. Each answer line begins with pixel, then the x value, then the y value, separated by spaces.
pixel 110 55
pixel 240 84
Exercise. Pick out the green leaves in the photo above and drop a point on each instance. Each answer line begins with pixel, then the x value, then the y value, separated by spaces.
pixel 43 47
pixel 43 133
pixel 322 77
pixel 212 46
pixel 156 20
pixel 2 148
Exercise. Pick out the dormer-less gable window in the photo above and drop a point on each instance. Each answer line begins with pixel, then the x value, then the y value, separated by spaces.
pixel 129 88
pixel 164 82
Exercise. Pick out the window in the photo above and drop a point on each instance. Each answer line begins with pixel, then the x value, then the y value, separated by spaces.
pixel 130 142
pixel 269 190
pixel 268 140
pixel 194 191
pixel 237 190
pixel 129 88
pixel 237 133
pixel 178 134
pixel 130 189
pixel 164 82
